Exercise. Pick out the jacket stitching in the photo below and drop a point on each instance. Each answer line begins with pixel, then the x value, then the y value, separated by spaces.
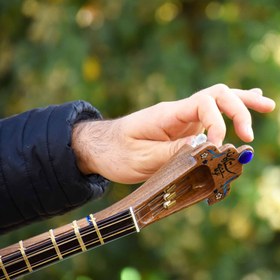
pixel 5 179
pixel 27 169
pixel 51 162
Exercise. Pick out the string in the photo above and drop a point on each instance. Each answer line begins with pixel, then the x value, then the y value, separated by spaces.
pixel 77 248
pixel 68 239
pixel 155 206
pixel 159 206
pixel 71 250
pixel 72 238
pixel 116 220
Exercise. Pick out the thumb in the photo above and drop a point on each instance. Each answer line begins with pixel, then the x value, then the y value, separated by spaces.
pixel 155 155
pixel 166 149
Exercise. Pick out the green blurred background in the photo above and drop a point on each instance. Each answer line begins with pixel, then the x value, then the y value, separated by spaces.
pixel 123 55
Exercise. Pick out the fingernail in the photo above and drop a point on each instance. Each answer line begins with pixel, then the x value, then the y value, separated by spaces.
pixel 257 91
pixel 189 140
pixel 269 102
pixel 250 132
pixel 219 143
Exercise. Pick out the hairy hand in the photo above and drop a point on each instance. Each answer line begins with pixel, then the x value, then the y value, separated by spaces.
pixel 132 148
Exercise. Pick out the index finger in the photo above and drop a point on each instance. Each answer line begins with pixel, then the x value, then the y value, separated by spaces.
pixel 233 103
pixel 211 118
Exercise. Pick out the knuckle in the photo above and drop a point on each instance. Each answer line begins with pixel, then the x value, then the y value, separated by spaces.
pixel 221 88
pixel 162 105
pixel 201 97
pixel 221 132
pixel 205 100
pixel 176 146
pixel 217 132
pixel 173 148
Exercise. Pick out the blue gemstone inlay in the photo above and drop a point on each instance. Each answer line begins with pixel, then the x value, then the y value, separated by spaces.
pixel 89 220
pixel 245 157
pixel 215 155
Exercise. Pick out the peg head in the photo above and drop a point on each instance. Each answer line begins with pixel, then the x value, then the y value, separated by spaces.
pixel 224 164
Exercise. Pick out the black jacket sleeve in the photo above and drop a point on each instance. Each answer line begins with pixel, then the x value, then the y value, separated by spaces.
pixel 38 173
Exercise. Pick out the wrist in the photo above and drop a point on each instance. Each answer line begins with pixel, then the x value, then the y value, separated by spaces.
pixel 91 142
pixel 80 147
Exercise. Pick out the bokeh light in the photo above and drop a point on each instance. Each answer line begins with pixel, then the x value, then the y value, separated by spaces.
pixel 123 55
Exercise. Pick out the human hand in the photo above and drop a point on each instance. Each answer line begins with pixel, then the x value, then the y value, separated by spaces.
pixel 132 148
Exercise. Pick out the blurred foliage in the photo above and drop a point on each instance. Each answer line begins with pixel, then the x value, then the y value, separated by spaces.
pixel 123 55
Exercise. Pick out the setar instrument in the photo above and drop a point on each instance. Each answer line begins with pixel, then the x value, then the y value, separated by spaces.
pixel 203 172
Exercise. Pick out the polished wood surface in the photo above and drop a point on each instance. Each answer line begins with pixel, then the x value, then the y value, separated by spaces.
pixel 192 175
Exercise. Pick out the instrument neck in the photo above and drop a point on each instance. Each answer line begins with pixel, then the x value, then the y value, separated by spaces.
pixel 53 248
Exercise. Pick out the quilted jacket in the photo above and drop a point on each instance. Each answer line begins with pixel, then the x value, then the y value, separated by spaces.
pixel 39 177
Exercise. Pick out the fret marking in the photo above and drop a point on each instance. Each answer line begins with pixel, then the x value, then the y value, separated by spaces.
pixel 78 235
pixel 109 229
pixel 22 250
pixel 134 219
pixel 55 244
pixel 4 269
pixel 92 219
